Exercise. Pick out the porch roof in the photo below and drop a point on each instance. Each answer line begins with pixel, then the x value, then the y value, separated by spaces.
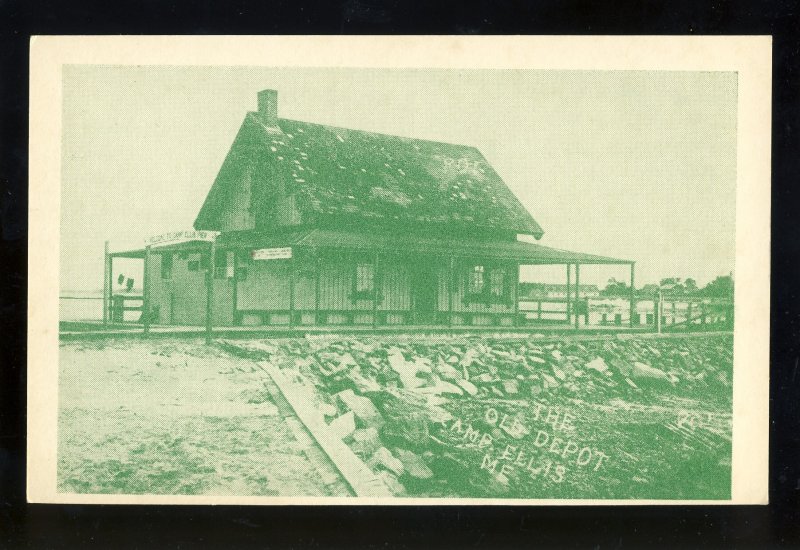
pixel 185 246
pixel 518 251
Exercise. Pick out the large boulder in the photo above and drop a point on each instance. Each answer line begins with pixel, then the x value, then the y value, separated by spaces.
pixel 366 413
pixel 468 387
pixel 407 372
pixel 645 373
pixel 363 383
pixel 599 365
pixel 447 371
pixel 441 387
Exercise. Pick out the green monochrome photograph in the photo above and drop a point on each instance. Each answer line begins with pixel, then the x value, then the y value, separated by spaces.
pixel 399 284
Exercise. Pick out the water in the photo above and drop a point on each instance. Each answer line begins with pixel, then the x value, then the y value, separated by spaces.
pixel 86 306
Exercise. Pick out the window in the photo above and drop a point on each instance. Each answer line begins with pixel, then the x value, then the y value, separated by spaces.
pixel 497 283
pixel 476 281
pixel 166 266
pixel 487 285
pixel 194 265
pixel 365 279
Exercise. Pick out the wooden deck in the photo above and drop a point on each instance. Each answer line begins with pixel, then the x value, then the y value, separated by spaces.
pixel 76 330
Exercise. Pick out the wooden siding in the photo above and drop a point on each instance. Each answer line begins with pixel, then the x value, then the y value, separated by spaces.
pixel 336 286
pixel 223 303
pixel 266 287
pixel 181 300
pixel 305 282
pixel 394 284
pixel 160 291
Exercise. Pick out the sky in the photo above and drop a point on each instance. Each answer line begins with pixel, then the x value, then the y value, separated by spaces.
pixel 638 165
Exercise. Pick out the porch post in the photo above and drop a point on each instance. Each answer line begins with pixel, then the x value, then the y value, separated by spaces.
pixel 145 291
pixel 375 291
pixel 106 283
pixel 318 262
pixel 577 293
pixel 633 294
pixel 450 278
pixel 210 291
pixel 292 260
pixel 569 292
pixel 659 304
pixel 234 285
pixel 516 297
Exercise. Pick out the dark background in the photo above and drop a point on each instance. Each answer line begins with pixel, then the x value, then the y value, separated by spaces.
pixel 51 526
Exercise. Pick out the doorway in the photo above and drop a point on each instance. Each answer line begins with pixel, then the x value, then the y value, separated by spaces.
pixel 424 283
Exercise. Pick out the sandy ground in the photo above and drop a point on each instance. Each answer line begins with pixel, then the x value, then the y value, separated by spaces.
pixel 174 417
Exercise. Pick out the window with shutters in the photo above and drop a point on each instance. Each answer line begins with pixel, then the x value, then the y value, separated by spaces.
pixel 364 282
pixel 488 285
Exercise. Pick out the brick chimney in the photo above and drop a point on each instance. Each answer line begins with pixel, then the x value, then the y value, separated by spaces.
pixel 268 107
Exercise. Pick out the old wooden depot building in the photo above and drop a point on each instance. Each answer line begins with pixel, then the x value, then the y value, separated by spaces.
pixel 308 224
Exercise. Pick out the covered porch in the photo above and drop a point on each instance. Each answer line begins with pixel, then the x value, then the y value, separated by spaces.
pixel 117 302
pixel 325 277
pixel 440 273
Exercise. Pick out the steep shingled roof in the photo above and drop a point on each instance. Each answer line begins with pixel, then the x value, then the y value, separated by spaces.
pixel 356 175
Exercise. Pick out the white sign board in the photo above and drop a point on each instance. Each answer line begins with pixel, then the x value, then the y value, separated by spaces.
pixel 272 253
pixel 181 236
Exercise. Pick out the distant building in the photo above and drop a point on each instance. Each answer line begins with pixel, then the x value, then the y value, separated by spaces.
pixel 545 291
pixel 327 226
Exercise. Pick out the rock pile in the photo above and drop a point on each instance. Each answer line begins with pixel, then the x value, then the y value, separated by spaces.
pixel 390 397
pixel 520 369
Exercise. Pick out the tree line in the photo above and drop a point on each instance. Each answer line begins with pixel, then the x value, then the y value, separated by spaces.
pixel 721 287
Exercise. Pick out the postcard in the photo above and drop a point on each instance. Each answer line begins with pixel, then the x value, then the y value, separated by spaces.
pixel 399 270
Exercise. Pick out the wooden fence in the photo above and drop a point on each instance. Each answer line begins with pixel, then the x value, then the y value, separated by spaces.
pixel 675 314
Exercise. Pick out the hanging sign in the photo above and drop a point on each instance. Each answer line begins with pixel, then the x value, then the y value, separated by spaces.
pixel 272 253
pixel 181 236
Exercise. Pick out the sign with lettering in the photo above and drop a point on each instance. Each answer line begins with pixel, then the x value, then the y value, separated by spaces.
pixel 462 165
pixel 272 253
pixel 181 236
pixel 549 448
